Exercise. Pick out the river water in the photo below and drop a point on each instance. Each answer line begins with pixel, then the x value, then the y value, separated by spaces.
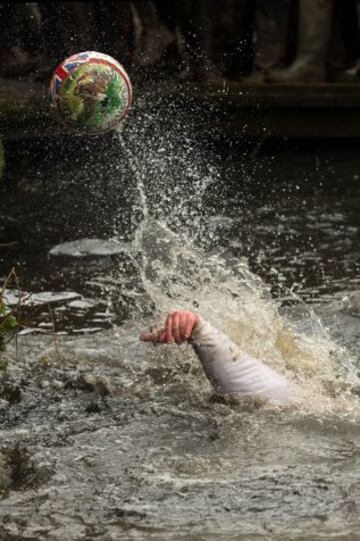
pixel 103 437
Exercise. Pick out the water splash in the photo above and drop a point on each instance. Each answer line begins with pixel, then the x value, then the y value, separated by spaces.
pixel 172 175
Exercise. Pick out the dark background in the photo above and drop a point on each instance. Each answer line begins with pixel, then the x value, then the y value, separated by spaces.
pixel 202 40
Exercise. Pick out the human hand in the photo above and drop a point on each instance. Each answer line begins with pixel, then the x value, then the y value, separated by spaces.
pixel 178 328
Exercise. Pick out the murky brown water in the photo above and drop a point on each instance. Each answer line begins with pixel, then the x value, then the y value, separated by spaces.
pixel 104 438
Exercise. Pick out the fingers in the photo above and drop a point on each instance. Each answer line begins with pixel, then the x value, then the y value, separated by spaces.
pixel 147 336
pixel 190 324
pixel 182 325
pixel 169 326
pixel 176 328
pixel 153 336
pixel 162 337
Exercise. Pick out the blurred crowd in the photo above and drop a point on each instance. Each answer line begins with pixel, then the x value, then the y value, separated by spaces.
pixel 254 41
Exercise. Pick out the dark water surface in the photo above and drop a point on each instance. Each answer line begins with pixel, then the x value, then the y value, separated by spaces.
pixel 102 438
pixel 292 212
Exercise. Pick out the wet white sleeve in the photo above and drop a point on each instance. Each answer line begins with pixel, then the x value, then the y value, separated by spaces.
pixel 230 370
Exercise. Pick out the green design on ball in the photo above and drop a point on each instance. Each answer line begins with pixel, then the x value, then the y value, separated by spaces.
pixel 93 98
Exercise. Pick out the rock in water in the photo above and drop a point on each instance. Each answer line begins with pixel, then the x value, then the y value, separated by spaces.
pixel 88 248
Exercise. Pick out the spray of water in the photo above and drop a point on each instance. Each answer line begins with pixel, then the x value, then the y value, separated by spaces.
pixel 172 177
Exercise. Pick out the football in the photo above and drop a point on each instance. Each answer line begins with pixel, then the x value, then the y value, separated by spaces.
pixel 91 92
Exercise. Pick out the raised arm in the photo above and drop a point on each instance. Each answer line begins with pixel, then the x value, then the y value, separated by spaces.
pixel 226 366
